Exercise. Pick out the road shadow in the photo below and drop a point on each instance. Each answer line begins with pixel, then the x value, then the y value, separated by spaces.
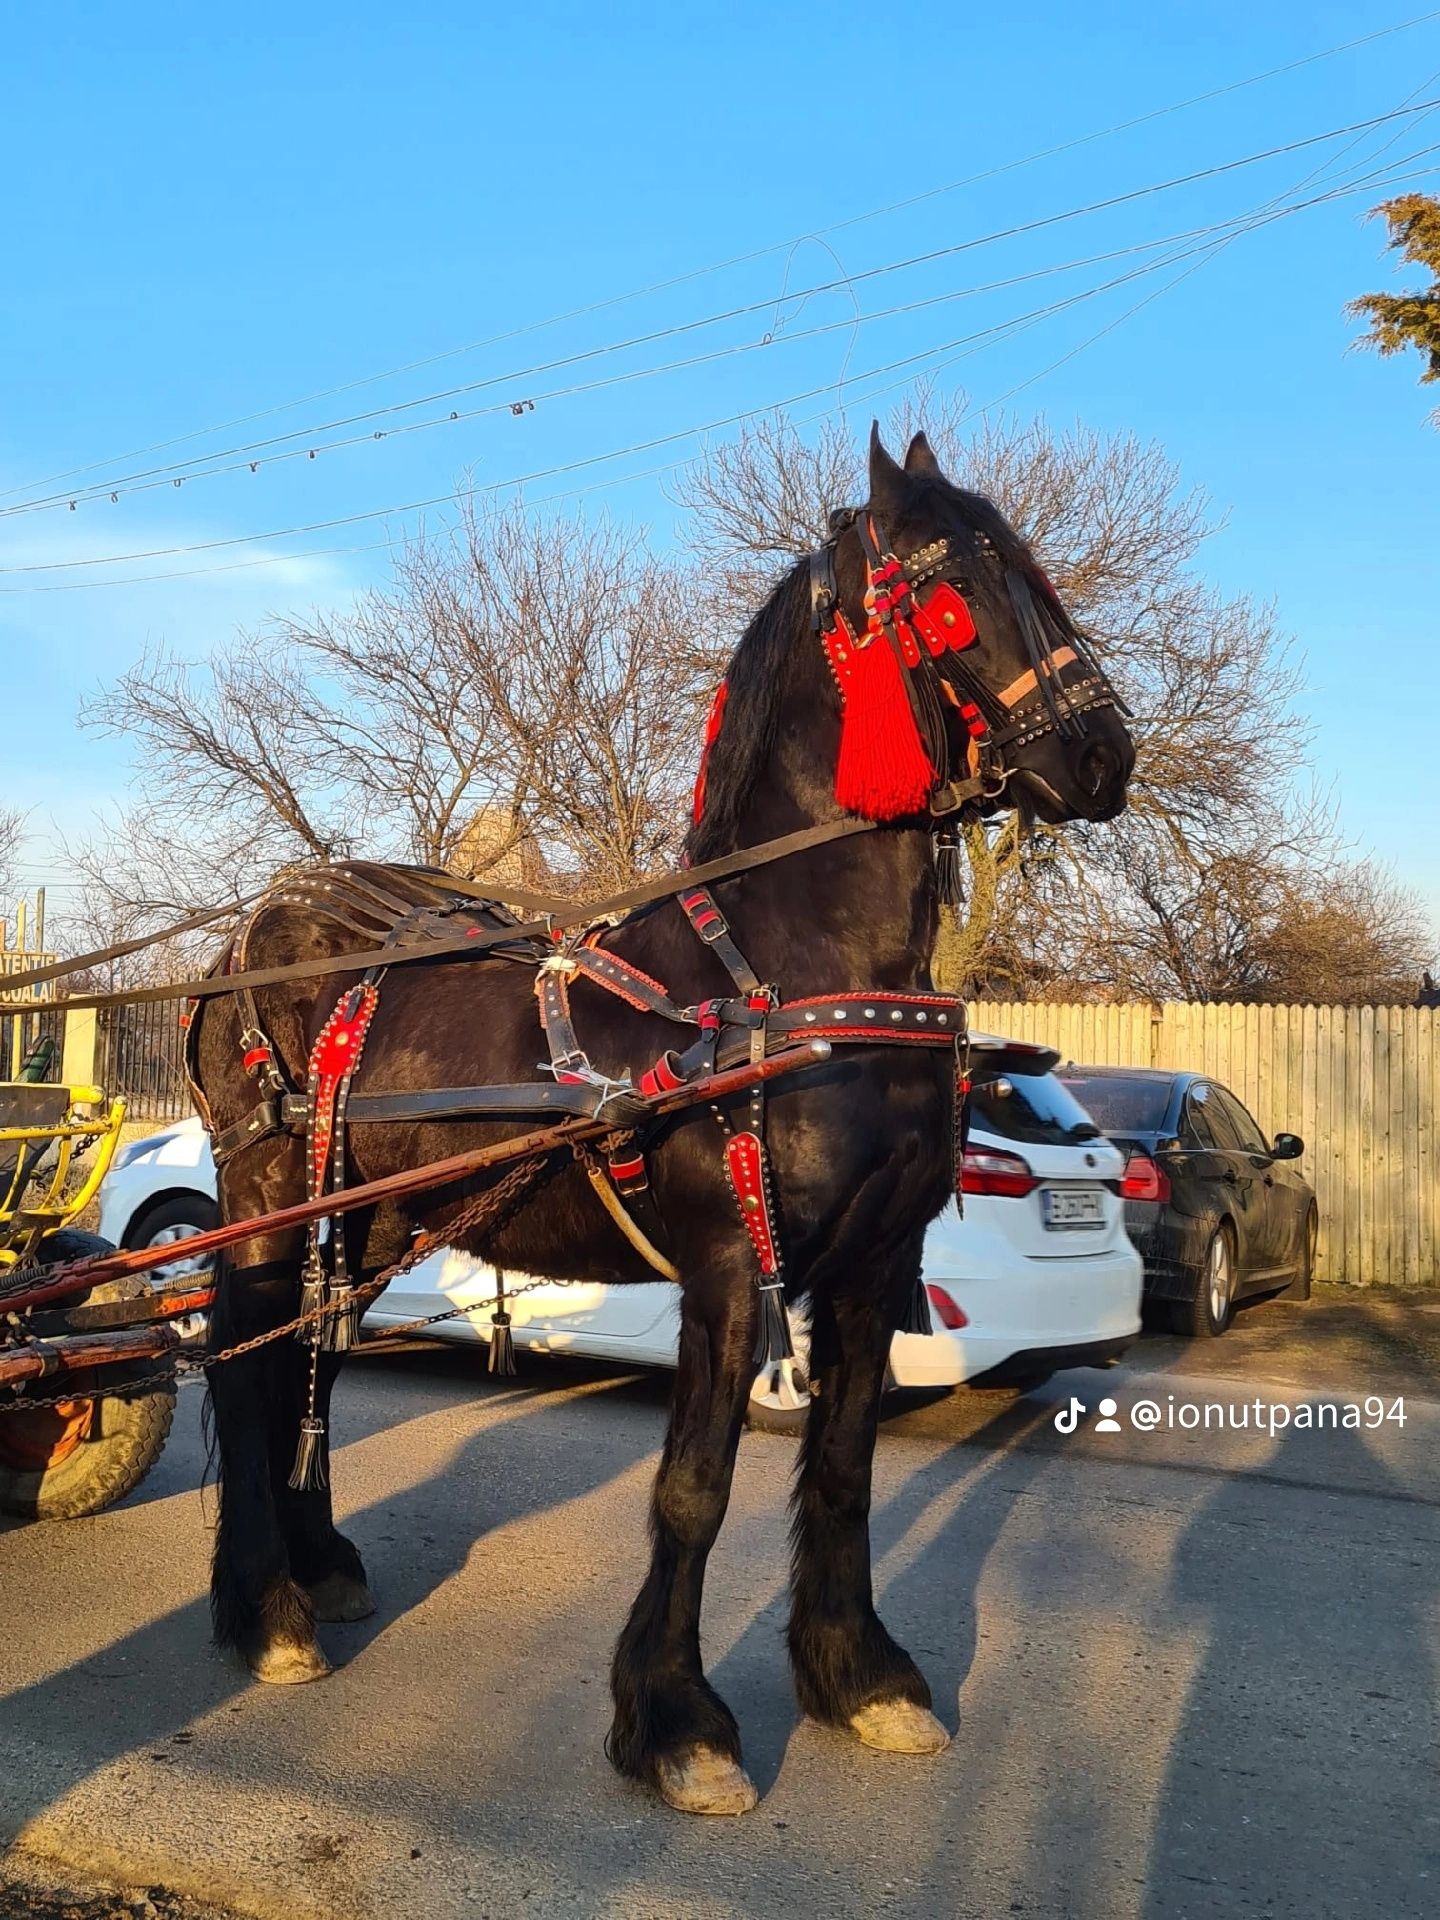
pixel 1304 1756
pixel 927 1597
pixel 145 1690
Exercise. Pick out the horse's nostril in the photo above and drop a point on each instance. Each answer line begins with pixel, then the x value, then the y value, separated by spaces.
pixel 1097 766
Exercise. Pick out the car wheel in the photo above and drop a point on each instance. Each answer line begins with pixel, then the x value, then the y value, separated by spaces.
pixel 779 1400
pixel 170 1222
pixel 1299 1287
pixel 1208 1314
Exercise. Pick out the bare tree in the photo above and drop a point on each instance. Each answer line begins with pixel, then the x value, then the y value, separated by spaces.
pixel 12 831
pixel 519 688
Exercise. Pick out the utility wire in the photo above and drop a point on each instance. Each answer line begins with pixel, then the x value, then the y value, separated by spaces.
pixel 1007 327
pixel 1234 224
pixel 659 286
pixel 123 482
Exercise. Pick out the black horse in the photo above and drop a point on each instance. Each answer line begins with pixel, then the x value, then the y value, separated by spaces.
pixel 860 1147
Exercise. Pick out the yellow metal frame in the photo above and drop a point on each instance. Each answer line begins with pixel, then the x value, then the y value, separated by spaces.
pixel 22 1227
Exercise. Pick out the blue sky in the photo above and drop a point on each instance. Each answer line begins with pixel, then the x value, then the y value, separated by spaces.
pixel 211 214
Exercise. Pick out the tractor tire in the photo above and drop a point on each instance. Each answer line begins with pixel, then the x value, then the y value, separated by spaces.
pixel 65 1462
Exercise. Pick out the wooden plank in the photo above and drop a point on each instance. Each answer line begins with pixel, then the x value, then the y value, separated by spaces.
pixel 1379 1235
pixel 1363 1046
pixel 1329 1193
pixel 1304 1037
pixel 1427 1161
pixel 1404 1114
pixel 1360 1085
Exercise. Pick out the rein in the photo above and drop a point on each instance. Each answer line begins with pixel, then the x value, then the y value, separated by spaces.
pixel 557 916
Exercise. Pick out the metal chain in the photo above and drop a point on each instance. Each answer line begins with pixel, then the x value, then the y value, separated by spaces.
pixel 492 1208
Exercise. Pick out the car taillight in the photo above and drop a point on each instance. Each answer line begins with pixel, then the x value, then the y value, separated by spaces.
pixel 946 1312
pixel 992 1170
pixel 1143 1180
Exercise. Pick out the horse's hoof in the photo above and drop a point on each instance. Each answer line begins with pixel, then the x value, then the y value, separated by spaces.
pixel 899 1726
pixel 288 1663
pixel 341 1596
pixel 703 1780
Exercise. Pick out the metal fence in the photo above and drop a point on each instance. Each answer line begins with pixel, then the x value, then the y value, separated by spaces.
pixel 1360 1085
pixel 140 1055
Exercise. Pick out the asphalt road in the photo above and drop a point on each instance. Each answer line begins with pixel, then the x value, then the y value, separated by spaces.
pixel 1192 1674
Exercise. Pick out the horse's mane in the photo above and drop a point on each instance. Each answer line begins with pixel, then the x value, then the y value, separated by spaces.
pixel 759 672
pixel 767 657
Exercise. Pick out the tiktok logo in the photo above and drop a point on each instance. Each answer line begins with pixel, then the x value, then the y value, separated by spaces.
pixel 1068 1418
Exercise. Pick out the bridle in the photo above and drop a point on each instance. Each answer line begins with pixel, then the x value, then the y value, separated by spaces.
pixel 917 607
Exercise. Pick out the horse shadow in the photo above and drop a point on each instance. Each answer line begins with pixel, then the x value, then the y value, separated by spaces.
pixel 926 1593
pixel 145 1691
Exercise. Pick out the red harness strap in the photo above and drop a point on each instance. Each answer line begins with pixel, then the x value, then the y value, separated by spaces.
pixel 333 1059
pixel 746 1164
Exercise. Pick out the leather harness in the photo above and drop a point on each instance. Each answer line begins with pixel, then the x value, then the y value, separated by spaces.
pixel 747 1024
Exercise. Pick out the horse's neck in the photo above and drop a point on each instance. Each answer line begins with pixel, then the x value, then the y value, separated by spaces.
pixel 857 912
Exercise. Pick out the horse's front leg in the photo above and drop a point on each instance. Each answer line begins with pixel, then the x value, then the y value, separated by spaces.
pixel 848 1670
pixel 671 1728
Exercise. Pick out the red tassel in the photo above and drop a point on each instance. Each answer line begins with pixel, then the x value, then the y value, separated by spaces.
pixel 883 770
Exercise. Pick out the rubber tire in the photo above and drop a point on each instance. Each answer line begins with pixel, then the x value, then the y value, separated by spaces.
pixel 181 1210
pixel 789 1422
pixel 1299 1287
pixel 1192 1318
pixel 133 1428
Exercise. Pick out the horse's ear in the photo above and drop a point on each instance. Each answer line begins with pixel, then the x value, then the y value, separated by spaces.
pixel 887 480
pixel 920 458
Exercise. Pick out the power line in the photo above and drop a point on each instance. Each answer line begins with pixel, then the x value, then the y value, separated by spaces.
pixel 659 286
pixel 848 281
pixel 1237 222
pixel 1014 324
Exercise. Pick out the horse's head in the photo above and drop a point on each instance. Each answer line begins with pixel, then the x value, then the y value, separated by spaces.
pixel 963 680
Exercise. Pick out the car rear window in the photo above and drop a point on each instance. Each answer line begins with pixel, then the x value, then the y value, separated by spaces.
pixel 1119 1105
pixel 1029 1106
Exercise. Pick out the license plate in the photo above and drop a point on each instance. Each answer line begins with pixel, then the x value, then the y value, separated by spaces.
pixel 1064 1209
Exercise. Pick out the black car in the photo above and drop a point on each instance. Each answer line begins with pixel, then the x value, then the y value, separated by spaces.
pixel 1217 1212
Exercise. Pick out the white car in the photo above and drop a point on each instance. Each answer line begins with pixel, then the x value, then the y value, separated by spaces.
pixel 1038 1274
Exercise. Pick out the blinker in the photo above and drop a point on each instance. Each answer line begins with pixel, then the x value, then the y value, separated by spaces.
pixel 944 622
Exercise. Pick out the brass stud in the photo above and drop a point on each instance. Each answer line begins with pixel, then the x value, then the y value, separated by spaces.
pixel 751 1203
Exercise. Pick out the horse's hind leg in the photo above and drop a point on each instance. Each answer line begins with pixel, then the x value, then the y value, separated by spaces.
pixel 848 1670
pixel 257 1605
pixel 671 1728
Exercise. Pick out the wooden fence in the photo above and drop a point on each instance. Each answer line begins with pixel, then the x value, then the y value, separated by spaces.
pixel 1358 1084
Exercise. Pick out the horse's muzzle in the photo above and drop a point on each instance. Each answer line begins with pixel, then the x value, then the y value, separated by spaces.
pixel 1101 773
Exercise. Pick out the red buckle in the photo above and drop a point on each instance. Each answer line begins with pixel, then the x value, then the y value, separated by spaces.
pixel 256 1057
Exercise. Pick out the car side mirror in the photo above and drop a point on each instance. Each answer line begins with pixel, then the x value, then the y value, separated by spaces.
pixel 1287 1146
